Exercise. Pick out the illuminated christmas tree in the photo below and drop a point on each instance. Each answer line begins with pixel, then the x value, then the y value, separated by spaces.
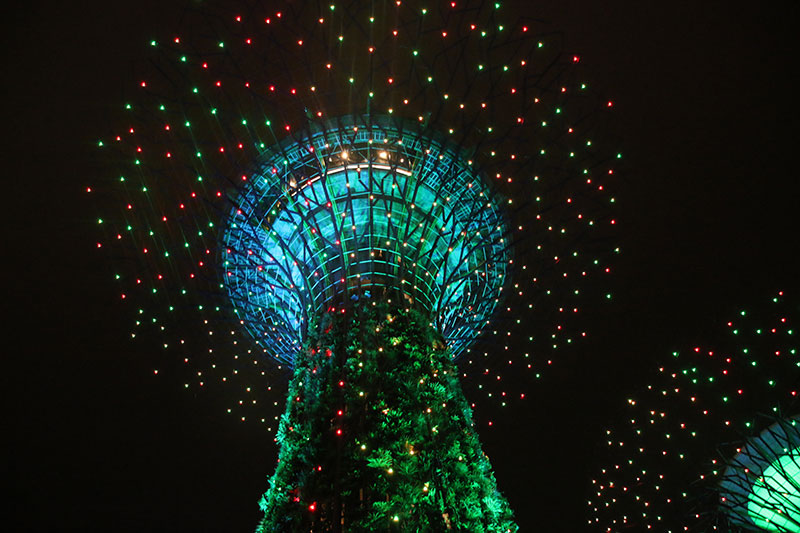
pixel 712 442
pixel 367 194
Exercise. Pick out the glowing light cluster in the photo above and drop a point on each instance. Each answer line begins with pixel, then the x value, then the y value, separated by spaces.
pixel 230 121
pixel 710 441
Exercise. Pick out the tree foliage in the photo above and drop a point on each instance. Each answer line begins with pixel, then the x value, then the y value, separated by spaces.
pixel 377 434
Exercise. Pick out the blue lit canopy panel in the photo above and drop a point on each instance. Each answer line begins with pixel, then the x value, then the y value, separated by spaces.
pixel 352 209
pixel 760 490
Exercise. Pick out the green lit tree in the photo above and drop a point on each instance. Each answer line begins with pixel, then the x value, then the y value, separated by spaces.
pixel 377 434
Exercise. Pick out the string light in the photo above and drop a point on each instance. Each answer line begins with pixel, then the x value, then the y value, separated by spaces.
pixel 708 415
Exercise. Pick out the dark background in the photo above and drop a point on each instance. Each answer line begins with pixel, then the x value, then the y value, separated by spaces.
pixel 707 115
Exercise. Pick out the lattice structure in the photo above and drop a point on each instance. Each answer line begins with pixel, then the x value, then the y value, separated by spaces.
pixel 760 489
pixel 364 207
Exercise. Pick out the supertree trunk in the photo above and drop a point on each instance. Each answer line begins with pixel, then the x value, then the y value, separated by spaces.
pixel 377 434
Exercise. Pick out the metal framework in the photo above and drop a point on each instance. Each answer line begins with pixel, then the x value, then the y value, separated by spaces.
pixel 363 205
pixel 760 489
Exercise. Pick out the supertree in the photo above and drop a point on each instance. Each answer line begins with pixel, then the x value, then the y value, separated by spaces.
pixel 711 443
pixel 360 194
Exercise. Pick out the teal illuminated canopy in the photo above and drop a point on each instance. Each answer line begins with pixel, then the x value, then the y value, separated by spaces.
pixel 760 490
pixel 353 209
pixel 774 502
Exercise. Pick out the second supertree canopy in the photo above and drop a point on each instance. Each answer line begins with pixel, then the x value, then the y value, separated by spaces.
pixel 712 443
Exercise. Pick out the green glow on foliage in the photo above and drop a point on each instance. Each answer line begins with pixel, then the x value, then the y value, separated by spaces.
pixel 775 499
pixel 398 425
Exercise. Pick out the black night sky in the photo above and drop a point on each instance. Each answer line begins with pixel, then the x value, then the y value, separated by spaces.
pixel 709 203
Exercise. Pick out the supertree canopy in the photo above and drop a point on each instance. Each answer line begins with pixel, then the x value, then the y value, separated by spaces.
pixel 711 444
pixel 365 194
pixel 371 205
